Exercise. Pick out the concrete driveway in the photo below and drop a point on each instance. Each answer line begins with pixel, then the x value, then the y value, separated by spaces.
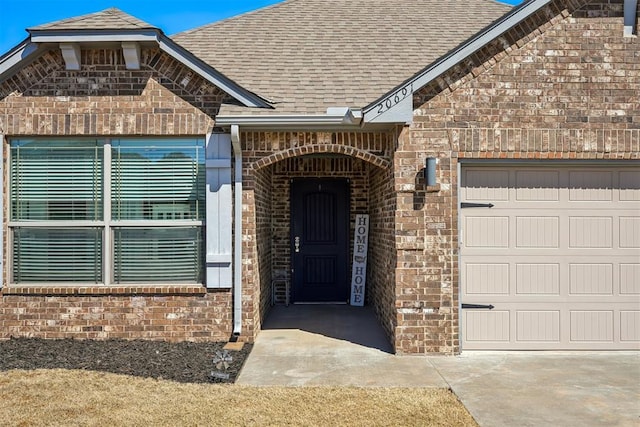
pixel 345 346
pixel 546 388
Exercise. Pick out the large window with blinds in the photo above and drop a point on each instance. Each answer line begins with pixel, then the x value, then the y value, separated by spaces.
pixel 121 211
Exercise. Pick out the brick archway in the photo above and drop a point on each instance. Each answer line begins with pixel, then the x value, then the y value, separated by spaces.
pixel 322 149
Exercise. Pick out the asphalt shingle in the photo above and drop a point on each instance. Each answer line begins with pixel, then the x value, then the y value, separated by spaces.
pixel 307 55
pixel 108 19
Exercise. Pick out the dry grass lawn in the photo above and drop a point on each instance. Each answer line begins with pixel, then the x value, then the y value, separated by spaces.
pixel 66 397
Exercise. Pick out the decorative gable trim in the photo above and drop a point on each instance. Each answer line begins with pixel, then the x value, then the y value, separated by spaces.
pixel 392 107
pixel 71 56
pixel 131 53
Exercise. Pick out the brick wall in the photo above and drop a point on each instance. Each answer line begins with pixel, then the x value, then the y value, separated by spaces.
pixel 264 199
pixel 106 99
pixel 381 292
pixel 563 84
pixel 198 316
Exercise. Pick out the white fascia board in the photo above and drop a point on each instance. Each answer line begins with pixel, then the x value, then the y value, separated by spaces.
pixel 22 52
pixel 351 120
pixel 375 112
pixel 182 55
pixel 90 36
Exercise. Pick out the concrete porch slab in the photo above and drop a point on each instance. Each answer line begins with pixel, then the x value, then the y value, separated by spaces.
pixel 331 345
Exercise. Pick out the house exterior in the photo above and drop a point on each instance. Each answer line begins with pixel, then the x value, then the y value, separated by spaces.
pixel 174 188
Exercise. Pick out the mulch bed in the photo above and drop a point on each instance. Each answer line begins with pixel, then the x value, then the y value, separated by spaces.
pixel 185 362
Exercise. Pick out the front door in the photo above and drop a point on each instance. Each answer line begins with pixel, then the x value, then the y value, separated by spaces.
pixel 320 240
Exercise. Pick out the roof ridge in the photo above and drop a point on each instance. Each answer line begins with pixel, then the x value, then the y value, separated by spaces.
pixel 127 17
pixel 234 17
pixel 113 11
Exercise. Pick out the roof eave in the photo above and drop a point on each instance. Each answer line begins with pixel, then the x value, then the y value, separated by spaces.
pixel 24 52
pixel 387 105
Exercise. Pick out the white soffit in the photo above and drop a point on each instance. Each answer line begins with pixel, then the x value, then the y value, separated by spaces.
pixel 392 107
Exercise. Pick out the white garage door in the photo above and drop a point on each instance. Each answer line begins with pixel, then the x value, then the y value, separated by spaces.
pixel 558 256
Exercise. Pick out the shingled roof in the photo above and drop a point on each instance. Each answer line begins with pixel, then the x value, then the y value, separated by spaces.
pixel 107 19
pixel 308 55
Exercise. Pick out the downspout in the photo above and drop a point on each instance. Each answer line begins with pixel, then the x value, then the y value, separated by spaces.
pixel 237 219
pixel 630 17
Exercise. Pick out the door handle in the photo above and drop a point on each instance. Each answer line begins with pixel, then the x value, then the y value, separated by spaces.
pixel 296 243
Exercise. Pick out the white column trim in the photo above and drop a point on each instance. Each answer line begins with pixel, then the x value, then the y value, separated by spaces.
pixel 106 212
pixel 218 239
pixel 2 240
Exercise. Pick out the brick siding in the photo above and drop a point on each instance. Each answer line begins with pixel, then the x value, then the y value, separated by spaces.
pixel 105 99
pixel 561 85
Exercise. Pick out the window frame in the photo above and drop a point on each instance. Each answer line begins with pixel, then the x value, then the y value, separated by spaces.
pixel 108 225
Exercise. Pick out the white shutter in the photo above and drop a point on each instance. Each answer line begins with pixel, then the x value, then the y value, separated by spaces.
pixel 219 211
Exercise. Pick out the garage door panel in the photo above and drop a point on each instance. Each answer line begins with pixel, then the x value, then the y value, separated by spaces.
pixel 630 279
pixel 630 326
pixel 537 185
pixel 537 279
pixel 540 326
pixel 592 185
pixel 537 232
pixel 558 258
pixel 589 279
pixel 487 232
pixel 629 232
pixel 487 326
pixel 630 186
pixel 590 232
pixel 591 325
pixel 487 279
pixel 486 184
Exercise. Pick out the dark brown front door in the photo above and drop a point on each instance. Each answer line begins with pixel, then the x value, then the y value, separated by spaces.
pixel 320 240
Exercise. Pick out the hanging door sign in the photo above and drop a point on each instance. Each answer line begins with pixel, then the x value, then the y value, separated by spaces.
pixel 359 265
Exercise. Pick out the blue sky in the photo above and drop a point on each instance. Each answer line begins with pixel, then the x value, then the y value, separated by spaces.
pixel 172 16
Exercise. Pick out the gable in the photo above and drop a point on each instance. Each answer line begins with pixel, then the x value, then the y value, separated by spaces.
pixel 491 46
pixel 107 29
pixel 104 97
pixel 571 88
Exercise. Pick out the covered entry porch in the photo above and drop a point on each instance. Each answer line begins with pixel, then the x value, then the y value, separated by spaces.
pixel 300 206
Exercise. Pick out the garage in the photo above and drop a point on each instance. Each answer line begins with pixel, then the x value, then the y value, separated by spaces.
pixel 550 256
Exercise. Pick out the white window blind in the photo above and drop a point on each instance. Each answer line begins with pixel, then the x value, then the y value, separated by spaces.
pixel 157 180
pixel 158 255
pixel 59 180
pixel 57 255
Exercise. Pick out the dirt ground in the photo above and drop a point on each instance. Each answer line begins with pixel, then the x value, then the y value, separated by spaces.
pixel 184 362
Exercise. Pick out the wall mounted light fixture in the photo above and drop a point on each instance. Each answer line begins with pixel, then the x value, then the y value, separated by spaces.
pixel 430 171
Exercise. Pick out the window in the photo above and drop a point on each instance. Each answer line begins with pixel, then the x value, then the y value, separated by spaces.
pixel 122 211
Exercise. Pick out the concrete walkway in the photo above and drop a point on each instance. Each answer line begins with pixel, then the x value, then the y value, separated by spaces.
pixel 344 346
